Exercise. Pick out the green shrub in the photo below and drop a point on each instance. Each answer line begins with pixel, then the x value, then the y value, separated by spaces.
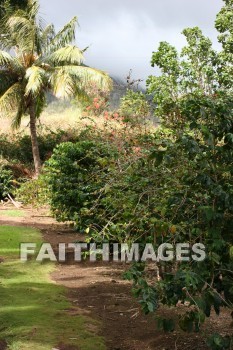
pixel 75 177
pixel 6 182
pixel 18 148
pixel 113 200
pixel 33 192
pixel 198 203
pixel 134 107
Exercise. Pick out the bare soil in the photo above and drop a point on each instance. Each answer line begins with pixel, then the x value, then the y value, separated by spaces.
pixel 99 291
pixel 3 345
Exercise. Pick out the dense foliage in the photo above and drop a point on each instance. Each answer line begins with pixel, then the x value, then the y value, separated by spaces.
pixel 14 4
pixel 17 148
pixel 6 182
pixel 192 98
pixel 174 186
pixel 76 175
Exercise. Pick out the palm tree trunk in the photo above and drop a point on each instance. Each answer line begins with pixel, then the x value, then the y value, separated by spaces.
pixel 34 140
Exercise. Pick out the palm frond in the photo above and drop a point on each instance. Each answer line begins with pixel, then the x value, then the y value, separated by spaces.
pixel 65 36
pixel 83 75
pixel 82 96
pixel 36 81
pixel 40 103
pixel 6 10
pixel 66 81
pixel 10 63
pixel 47 35
pixel 22 30
pixel 6 80
pixel 62 84
pixel 38 23
pixel 17 22
pixel 38 43
pixel 11 101
pixel 32 10
pixel 17 118
pixel 68 55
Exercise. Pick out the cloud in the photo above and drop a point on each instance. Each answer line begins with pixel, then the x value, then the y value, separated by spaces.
pixel 123 34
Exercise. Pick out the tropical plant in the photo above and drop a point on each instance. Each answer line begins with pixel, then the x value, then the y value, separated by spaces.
pixel 43 61
pixel 14 5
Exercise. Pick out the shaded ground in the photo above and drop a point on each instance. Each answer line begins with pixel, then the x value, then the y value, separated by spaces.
pixel 3 345
pixel 98 290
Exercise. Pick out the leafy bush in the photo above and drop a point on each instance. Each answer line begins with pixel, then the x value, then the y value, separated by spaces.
pixel 18 148
pixel 33 192
pixel 149 196
pixel 134 107
pixel 6 182
pixel 198 203
pixel 75 176
pixel 218 342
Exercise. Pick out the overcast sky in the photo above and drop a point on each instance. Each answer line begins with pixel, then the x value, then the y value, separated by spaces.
pixel 122 34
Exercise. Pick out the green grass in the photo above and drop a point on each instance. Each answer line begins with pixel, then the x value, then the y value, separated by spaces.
pixel 12 213
pixel 33 309
pixel 10 239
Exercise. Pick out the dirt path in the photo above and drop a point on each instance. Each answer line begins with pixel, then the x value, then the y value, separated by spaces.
pixel 98 290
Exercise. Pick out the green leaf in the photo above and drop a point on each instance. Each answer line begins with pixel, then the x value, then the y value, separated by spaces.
pixel 36 81
pixel 208 212
pixel 68 55
pixel 151 307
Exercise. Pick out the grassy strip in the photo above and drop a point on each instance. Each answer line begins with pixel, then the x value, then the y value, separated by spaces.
pixel 12 213
pixel 33 309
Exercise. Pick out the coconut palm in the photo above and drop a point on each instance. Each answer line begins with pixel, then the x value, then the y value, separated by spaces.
pixel 14 5
pixel 42 61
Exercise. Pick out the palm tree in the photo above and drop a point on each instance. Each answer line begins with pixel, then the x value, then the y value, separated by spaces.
pixel 42 61
pixel 14 4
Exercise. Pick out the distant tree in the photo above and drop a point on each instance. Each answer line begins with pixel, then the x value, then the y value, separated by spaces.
pixel 195 70
pixel 43 61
